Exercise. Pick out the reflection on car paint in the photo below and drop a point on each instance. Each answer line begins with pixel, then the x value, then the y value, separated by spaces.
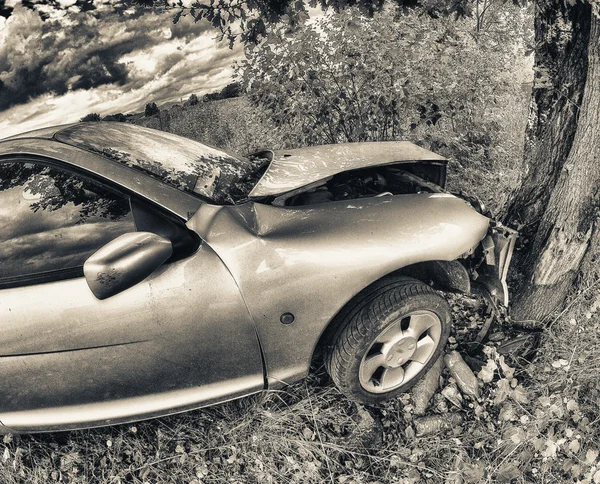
pixel 291 245
pixel 179 162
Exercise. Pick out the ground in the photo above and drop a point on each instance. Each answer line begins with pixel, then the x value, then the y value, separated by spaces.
pixel 529 415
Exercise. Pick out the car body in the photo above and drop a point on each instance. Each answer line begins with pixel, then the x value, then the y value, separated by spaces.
pixel 133 284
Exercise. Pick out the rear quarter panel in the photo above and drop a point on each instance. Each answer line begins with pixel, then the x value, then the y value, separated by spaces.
pixel 310 261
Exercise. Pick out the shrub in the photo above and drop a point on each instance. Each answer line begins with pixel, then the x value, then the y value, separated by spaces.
pixel 151 109
pixel 119 118
pixel 90 117
pixel 229 91
pixel 347 78
pixel 192 100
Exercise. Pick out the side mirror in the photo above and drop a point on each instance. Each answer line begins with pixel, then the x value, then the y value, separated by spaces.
pixel 124 262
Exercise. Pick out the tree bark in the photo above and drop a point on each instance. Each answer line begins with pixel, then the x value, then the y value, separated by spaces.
pixel 561 188
pixel 561 39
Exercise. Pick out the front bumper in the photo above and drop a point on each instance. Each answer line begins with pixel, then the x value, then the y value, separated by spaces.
pixel 494 255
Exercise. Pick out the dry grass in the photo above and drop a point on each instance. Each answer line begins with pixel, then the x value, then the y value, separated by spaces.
pixel 232 124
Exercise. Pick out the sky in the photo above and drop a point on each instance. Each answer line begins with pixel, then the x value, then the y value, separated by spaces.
pixel 108 61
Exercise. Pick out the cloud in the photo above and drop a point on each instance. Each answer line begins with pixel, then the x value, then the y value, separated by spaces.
pixel 106 61
pixel 72 51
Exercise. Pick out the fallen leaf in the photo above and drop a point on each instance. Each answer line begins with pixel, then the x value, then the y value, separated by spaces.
pixel 550 450
pixel 559 363
pixel 591 456
pixel 486 374
pixel 519 394
pixel 574 446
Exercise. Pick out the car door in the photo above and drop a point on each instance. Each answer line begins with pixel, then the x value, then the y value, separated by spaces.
pixel 180 339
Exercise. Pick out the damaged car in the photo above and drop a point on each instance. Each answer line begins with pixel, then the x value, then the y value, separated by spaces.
pixel 144 274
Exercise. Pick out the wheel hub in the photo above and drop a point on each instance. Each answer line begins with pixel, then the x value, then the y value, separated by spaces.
pixel 400 352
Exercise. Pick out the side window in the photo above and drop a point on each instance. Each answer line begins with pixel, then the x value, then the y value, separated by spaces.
pixel 52 220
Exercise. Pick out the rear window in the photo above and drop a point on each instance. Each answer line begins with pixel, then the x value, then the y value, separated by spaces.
pixel 185 164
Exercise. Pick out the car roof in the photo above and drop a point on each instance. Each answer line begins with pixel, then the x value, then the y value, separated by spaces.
pixel 42 143
pixel 293 169
pixel 182 162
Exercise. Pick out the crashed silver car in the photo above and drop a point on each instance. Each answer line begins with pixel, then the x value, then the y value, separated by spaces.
pixel 143 274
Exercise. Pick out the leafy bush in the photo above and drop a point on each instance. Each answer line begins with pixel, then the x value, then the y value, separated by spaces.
pixel 229 91
pixel 90 117
pixel 151 109
pixel 192 100
pixel 433 81
pixel 119 118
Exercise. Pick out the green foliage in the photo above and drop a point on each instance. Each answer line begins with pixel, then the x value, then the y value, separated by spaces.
pixel 90 117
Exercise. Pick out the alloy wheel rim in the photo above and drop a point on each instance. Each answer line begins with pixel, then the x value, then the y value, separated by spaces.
pixel 400 351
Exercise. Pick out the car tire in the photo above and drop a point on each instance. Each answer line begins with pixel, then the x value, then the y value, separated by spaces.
pixel 388 341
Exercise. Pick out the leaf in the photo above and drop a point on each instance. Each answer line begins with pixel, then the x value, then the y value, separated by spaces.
pixel 508 371
pixel 545 401
pixel 550 450
pixel 509 471
pixel 591 456
pixel 473 472
pixel 519 394
pixel 574 446
pixel 503 391
pixel 507 412
pixel 538 443
pixel 518 436
pixel 486 374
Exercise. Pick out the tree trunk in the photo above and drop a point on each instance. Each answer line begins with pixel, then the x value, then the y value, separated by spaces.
pixel 561 38
pixel 561 188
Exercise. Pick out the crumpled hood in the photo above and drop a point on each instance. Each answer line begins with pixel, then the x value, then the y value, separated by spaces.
pixel 293 169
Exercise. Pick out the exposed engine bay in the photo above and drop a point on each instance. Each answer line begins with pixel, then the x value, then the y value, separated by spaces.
pixel 395 179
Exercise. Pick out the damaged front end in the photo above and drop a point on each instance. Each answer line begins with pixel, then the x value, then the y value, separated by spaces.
pixel 488 263
pixel 356 171
pixel 488 266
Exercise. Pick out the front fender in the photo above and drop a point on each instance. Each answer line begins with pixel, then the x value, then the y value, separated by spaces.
pixel 310 261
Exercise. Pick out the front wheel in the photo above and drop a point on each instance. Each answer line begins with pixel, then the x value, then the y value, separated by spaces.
pixel 387 344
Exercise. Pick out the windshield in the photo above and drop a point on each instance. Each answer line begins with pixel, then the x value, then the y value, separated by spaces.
pixel 185 164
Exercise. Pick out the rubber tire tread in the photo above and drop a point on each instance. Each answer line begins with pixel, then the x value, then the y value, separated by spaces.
pixel 364 321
